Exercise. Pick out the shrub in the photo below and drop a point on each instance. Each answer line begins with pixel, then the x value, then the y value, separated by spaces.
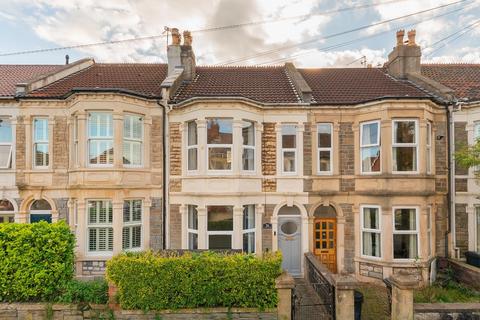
pixel 150 281
pixel 36 260
pixel 84 292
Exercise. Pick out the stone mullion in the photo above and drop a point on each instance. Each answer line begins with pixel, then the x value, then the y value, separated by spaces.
pixel 146 204
pixel 118 140
pixel 259 212
pixel 237 147
pixel 146 143
pixel 184 222
pixel 28 142
pixel 237 238
pixel 82 139
pixel 202 146
pixel 202 227
pixel 117 226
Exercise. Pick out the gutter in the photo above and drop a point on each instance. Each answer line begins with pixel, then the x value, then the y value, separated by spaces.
pixel 164 172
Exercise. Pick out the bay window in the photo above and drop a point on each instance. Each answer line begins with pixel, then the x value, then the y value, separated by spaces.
pixel 132 224
pixel 371 232
pixel 132 140
pixel 248 229
pixel 100 139
pixel 40 143
pixel 405 149
pixel 370 147
pixel 429 147
pixel 192 146
pixel 405 233
pixel 6 144
pixel 219 227
pixel 192 227
pixel 248 146
pixel 100 226
pixel 219 143
pixel 324 143
pixel 289 148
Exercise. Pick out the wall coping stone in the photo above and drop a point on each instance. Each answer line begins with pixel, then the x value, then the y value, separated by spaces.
pixel 445 307
pixel 403 280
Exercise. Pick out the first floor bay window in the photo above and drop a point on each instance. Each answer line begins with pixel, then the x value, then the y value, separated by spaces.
pixel 192 146
pixel 100 139
pixel 220 227
pixel 324 143
pixel 6 140
pixel 219 143
pixel 371 231
pixel 248 147
pixel 132 140
pixel 100 226
pixel 249 228
pixel 405 233
pixel 192 227
pixel 40 143
pixel 405 142
pixel 370 146
pixel 132 224
pixel 289 148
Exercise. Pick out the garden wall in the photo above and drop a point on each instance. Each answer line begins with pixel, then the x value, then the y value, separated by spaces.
pixel 441 311
pixel 465 273
pixel 34 311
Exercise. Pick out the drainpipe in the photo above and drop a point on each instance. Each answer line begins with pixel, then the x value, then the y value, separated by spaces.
pixel 165 166
pixel 451 181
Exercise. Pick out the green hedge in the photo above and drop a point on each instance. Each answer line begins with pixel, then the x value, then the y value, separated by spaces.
pixel 84 292
pixel 36 260
pixel 151 281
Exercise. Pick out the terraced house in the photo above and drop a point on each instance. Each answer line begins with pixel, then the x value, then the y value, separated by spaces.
pixel 349 164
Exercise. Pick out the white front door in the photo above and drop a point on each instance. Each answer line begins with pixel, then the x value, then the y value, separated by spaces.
pixel 290 244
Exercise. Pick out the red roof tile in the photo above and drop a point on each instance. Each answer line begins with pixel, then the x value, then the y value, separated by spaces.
pixel 140 78
pixel 11 74
pixel 356 85
pixel 464 79
pixel 263 84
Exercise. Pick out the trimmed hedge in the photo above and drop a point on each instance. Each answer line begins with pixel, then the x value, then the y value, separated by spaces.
pixel 150 281
pixel 78 291
pixel 36 260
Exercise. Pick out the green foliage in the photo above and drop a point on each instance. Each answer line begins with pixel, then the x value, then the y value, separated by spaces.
pixel 468 156
pixel 36 260
pixel 446 292
pixel 150 281
pixel 84 292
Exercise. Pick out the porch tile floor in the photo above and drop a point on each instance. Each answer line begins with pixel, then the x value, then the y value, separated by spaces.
pixel 310 306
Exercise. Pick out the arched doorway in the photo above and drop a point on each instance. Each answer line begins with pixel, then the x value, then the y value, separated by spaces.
pixel 325 236
pixel 290 239
pixel 40 210
pixel 7 211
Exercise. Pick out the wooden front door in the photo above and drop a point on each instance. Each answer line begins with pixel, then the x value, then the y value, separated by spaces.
pixel 325 242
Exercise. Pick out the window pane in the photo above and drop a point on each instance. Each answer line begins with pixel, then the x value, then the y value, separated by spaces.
pixel 40 129
pixel 220 218
pixel 370 159
pixel 248 159
pixel 192 159
pixel 371 218
pixel 6 205
pixel 192 217
pixel 219 158
pixel 132 153
pixel 248 133
pixel 404 131
pixel 371 244
pixel 100 125
pixel 324 157
pixel 40 217
pixel 405 219
pixel 405 159
pixel 405 246
pixel 324 135
pixel 41 154
pixel 289 134
pixel 5 131
pixel 289 161
pixel 192 241
pixel 192 133
pixel 126 238
pixel 220 241
pixel 219 131
pixel 249 242
pixel 132 127
pixel 40 205
pixel 7 218
pixel 370 134
pixel 5 156
pixel 92 239
pixel 249 217
pixel 136 237
pixel 101 152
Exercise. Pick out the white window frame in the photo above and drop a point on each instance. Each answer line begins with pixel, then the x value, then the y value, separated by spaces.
pixel 75 141
pixel 476 135
pixel 222 232
pixel 99 138
pixel 415 232
pixel 249 147
pixel 131 139
pixel 366 146
pixel 98 226
pixel 189 230
pixel 219 146
pixel 41 142
pixel 429 148
pixel 477 233
pixel 10 144
pixel 283 150
pixel 250 230
pixel 132 224
pixel 191 147
pixel 330 149
pixel 400 145
pixel 429 231
pixel 368 230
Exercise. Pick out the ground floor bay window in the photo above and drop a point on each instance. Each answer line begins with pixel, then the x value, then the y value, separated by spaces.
pixel 405 233
pixel 219 227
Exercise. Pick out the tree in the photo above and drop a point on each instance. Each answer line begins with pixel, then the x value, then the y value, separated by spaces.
pixel 468 156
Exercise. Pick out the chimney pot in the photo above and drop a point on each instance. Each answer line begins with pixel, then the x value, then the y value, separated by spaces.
pixel 187 38
pixel 175 36
pixel 400 35
pixel 411 37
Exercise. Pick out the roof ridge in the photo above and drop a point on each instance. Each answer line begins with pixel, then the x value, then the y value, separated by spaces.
pixel 63 79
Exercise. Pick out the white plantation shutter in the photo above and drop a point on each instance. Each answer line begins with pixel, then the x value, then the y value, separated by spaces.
pixel 100 231
pixel 132 140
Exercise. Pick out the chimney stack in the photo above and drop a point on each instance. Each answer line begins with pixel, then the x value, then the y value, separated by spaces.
pixel 404 59
pixel 181 56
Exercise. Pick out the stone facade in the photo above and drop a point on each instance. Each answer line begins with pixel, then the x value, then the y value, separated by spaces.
pixel 269 149
pixel 20 160
pixel 347 154
pixel 461 232
pixel 175 149
pixel 307 150
pixel 349 241
pixel 93 268
pixel 175 227
pixel 347 185
pixel 461 185
pixel 441 156
pixel 60 157
pixel 156 224
pixel 371 270
pixel 267 233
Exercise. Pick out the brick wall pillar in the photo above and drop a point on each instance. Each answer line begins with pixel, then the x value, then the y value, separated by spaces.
pixel 402 295
pixel 344 297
